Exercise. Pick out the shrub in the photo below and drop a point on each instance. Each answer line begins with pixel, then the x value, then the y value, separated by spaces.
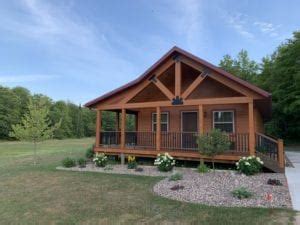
pixel 241 193
pixel 175 177
pixel 100 160
pixel 202 168
pixel 164 162
pixel 69 162
pixel 213 144
pixel 81 162
pixel 89 153
pixel 132 164
pixel 249 165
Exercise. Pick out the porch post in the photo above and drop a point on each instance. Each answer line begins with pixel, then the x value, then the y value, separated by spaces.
pixel 98 127
pixel 281 155
pixel 200 120
pixel 123 124
pixel 158 128
pixel 251 129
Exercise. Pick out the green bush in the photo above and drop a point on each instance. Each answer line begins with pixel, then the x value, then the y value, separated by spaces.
pixel 81 162
pixel 213 144
pixel 175 177
pixel 202 168
pixel 100 160
pixel 241 193
pixel 164 162
pixel 68 162
pixel 89 154
pixel 249 165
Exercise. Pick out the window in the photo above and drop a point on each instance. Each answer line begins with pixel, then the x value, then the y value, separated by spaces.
pixel 164 121
pixel 224 120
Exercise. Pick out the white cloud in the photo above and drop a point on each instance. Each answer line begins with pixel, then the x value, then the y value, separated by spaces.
pixel 267 28
pixel 26 78
pixel 185 20
pixel 240 24
pixel 75 43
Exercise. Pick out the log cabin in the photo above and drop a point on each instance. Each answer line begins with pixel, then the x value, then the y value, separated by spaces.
pixel 180 97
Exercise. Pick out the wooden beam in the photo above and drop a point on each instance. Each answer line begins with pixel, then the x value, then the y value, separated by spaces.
pixel 145 83
pixel 281 157
pixel 123 124
pixel 158 128
pixel 220 78
pixel 164 89
pixel 177 78
pixel 235 86
pixel 192 64
pixel 193 86
pixel 217 101
pixel 204 101
pixel 98 128
pixel 251 129
pixel 201 119
pixel 176 153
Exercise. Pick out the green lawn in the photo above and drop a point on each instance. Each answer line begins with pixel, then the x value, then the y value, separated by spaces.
pixel 43 195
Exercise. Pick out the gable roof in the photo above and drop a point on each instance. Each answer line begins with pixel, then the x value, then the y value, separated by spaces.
pixel 171 52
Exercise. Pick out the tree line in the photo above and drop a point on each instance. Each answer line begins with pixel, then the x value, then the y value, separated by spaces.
pixel 279 74
pixel 75 121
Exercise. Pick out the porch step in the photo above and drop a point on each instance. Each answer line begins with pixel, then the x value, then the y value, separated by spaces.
pixel 269 163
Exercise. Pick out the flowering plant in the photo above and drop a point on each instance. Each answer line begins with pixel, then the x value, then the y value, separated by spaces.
pixel 132 164
pixel 100 160
pixel 249 165
pixel 164 162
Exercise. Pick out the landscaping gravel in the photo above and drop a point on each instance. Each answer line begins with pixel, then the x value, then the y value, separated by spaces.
pixel 214 188
pixel 122 169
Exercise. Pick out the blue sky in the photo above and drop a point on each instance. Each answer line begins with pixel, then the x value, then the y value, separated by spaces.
pixel 78 50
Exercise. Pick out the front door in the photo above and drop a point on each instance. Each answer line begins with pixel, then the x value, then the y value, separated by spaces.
pixel 189 129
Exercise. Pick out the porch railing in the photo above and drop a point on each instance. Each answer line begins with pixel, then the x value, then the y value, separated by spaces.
pixel 140 139
pixel 169 140
pixel 266 145
pixel 110 139
pixel 179 140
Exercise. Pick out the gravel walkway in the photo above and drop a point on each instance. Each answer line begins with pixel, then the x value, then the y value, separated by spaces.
pixel 215 189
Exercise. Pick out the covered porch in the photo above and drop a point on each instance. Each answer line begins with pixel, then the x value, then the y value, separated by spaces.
pixel 180 125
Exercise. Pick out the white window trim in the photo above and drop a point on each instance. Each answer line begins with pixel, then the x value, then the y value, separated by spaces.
pixel 233 119
pixel 152 121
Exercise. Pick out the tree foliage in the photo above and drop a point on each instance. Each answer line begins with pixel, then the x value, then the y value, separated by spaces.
pixel 213 144
pixel 241 66
pixel 279 74
pixel 35 125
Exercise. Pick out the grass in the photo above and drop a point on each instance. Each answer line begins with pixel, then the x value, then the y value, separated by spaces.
pixel 42 195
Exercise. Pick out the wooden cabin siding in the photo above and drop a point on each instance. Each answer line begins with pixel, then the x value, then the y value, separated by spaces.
pixel 210 88
pixel 240 111
pixel 258 122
